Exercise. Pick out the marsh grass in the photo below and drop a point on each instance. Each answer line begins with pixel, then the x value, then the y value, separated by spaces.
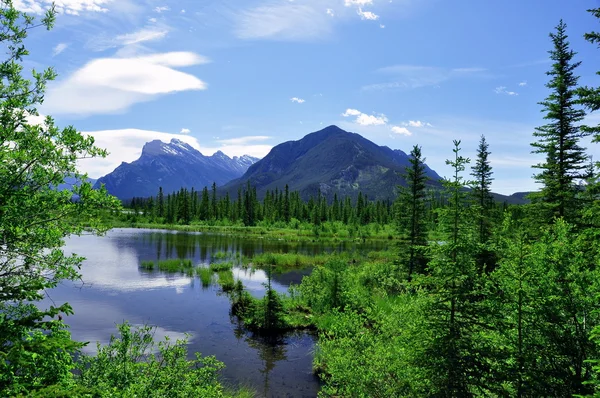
pixel 284 261
pixel 206 276
pixel 226 280
pixel 169 265
pixel 222 266
pixel 147 265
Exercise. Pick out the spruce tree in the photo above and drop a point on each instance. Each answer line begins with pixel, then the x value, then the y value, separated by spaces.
pixel 411 213
pixel 482 173
pixel 458 356
pixel 558 140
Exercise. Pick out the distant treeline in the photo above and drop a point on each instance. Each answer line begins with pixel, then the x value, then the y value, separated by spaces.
pixel 189 205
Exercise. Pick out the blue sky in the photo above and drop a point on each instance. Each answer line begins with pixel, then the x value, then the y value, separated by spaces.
pixel 244 75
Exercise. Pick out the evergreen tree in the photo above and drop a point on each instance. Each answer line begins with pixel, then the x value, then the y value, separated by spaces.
pixel 411 213
pixel 458 355
pixel 482 173
pixel 161 202
pixel 558 140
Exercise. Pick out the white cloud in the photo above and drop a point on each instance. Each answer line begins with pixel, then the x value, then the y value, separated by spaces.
pixel 401 130
pixel 148 33
pixel 59 48
pixel 382 26
pixel 244 140
pixel 183 11
pixel 330 12
pixel 502 90
pixel 351 112
pixel 283 21
pixel 125 145
pixel 523 84
pixel 185 131
pixel 72 7
pixel 350 3
pixel 161 9
pixel 417 123
pixel 367 15
pixel 298 100
pixel 417 76
pixel 366 120
pixel 112 85
pixel 152 20
pixel 145 34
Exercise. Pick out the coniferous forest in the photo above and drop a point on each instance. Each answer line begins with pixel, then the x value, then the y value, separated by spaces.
pixel 473 298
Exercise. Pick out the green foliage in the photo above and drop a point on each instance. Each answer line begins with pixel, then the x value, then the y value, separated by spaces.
pixel 283 261
pixel 206 276
pixel 558 140
pixel 374 355
pixel 168 265
pixel 226 280
pixel 411 214
pixel 133 365
pixel 35 217
pixel 222 266
pixel 36 351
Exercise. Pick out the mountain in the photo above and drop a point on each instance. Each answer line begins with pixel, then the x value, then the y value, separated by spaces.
pixel 173 166
pixel 333 161
pixel 71 182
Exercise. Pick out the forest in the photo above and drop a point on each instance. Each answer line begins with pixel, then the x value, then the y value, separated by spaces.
pixel 473 298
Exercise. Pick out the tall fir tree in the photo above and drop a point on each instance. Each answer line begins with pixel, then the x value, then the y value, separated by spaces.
pixel 566 160
pixel 411 214
pixel 482 173
pixel 458 355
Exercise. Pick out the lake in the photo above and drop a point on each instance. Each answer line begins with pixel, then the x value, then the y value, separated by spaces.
pixel 114 289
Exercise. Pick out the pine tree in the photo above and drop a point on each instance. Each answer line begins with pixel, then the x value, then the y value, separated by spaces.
pixel 411 213
pixel 458 356
pixel 558 140
pixel 482 173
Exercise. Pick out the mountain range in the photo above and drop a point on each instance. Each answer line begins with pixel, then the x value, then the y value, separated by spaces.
pixel 172 166
pixel 330 161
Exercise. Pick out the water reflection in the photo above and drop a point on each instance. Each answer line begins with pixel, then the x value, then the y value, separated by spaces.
pixel 115 289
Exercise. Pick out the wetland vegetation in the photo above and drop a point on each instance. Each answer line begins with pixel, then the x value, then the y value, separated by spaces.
pixel 471 299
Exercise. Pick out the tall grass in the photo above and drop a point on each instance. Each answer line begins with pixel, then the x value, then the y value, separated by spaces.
pixel 226 280
pixel 206 276
pixel 289 260
pixel 169 265
pixel 224 266
pixel 147 265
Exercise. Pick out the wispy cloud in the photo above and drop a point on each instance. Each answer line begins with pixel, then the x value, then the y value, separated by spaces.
pixel 161 9
pixel 401 130
pixel 185 131
pixel 112 85
pixel 330 12
pixel 367 15
pixel 142 35
pixel 244 140
pixel 523 84
pixel 283 21
pixel 417 123
pixel 298 100
pixel 504 91
pixel 59 48
pixel 416 76
pixel 151 32
pixel 349 3
pixel 364 119
pixel 72 7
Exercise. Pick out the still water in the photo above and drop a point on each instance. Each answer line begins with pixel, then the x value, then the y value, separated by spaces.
pixel 113 289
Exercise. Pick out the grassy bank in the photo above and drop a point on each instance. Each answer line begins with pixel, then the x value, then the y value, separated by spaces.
pixel 334 232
